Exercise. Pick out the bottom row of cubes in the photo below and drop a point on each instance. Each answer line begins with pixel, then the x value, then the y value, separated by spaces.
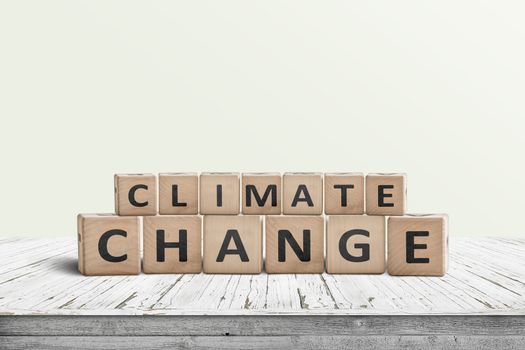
pixel 353 244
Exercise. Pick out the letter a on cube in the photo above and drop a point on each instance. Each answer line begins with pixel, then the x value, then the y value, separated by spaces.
pixel 233 244
pixel 303 193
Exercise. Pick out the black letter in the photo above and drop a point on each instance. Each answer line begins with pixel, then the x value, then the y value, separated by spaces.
pixel 297 197
pixel 232 234
pixel 411 247
pixel 175 197
pixel 182 245
pixel 343 189
pixel 261 201
pixel 219 195
pixel 103 246
pixel 364 246
pixel 131 196
pixel 382 195
pixel 285 235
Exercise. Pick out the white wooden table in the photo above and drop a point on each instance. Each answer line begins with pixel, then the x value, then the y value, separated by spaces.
pixel 46 303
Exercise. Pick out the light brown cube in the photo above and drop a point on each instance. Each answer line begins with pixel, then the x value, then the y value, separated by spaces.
pixel 418 245
pixel 344 193
pixel 220 193
pixel 261 193
pixel 135 194
pixel 294 244
pixel 386 194
pixel 108 244
pixel 172 244
pixel 303 193
pixel 233 244
pixel 178 193
pixel 355 244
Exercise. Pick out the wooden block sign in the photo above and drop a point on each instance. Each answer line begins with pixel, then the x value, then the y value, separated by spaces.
pixel 233 244
pixel 355 244
pixel 386 194
pixel 178 193
pixel 108 244
pixel 417 245
pixel 135 194
pixel 344 193
pixel 261 193
pixel 220 193
pixel 172 244
pixel 294 244
pixel 177 240
pixel 303 193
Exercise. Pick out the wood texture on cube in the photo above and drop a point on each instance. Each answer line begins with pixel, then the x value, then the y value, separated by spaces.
pixel 355 244
pixel 135 194
pixel 220 193
pixel 309 260
pixel 386 194
pixel 119 239
pixel 178 193
pixel 303 193
pixel 418 245
pixel 166 250
pixel 261 188
pixel 240 237
pixel 344 193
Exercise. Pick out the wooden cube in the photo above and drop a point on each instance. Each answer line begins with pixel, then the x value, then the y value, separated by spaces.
pixel 344 193
pixel 233 244
pixel 220 193
pixel 418 245
pixel 178 193
pixel 303 193
pixel 261 193
pixel 386 194
pixel 355 244
pixel 108 244
pixel 294 244
pixel 135 194
pixel 172 244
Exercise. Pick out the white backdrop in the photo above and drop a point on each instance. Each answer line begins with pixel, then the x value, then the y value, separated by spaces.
pixel 90 88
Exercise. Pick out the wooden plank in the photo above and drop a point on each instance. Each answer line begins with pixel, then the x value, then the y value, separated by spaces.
pixel 485 277
pixel 33 255
pixel 279 342
pixel 250 293
pixel 260 325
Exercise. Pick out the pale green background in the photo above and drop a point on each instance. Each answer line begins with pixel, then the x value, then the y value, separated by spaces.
pixel 432 88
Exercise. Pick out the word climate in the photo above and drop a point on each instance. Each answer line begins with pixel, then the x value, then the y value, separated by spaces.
pixel 163 213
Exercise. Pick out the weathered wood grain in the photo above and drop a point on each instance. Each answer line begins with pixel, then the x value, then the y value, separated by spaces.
pixel 39 277
pixel 261 325
pixel 269 342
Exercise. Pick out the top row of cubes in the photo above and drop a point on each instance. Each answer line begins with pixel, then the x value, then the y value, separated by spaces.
pixel 302 194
